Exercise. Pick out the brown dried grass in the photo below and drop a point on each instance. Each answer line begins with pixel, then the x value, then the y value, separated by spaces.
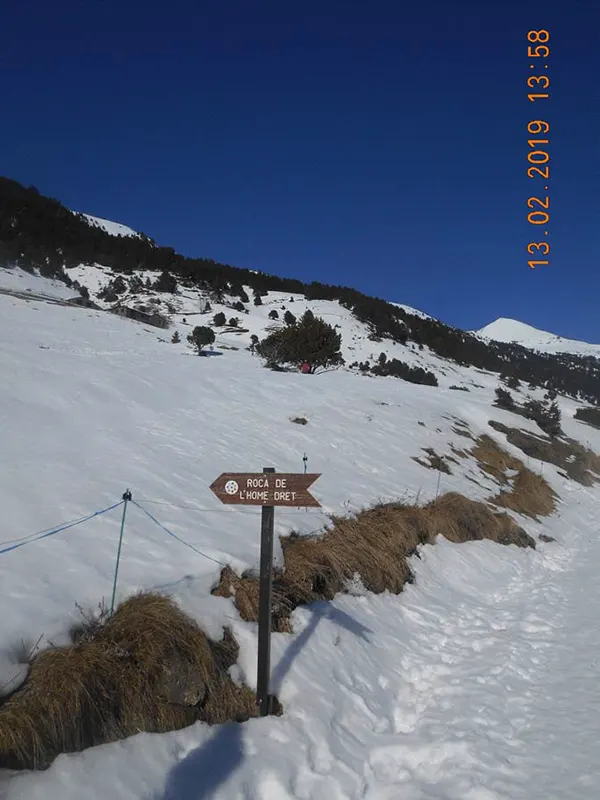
pixel 578 462
pixel 113 682
pixel 375 545
pixel 436 462
pixel 529 494
pixel 460 520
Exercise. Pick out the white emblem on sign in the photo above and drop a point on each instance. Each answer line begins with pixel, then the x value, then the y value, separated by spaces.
pixel 231 487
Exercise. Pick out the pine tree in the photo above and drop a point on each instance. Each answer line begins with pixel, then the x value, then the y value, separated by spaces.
pixel 552 420
pixel 200 337
pixel 312 340
pixel 175 339
pixel 136 284
pixel 504 399
pixel 165 283
pixel 547 418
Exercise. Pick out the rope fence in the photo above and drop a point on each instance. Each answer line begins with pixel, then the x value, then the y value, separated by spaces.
pixel 178 538
pixel 36 537
pixel 14 544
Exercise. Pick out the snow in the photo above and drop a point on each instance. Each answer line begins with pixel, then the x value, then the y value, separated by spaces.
pixel 14 279
pixel 510 330
pixel 478 682
pixel 114 228
pixel 93 276
pixel 410 310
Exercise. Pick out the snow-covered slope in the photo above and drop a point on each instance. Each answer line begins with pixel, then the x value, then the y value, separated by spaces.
pixel 510 330
pixel 188 302
pixel 464 687
pixel 114 228
pixel 411 310
pixel 17 280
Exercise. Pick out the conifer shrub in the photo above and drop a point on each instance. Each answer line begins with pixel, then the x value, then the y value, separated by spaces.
pixel 590 415
pixel 310 340
pixel 200 337
pixel 398 369
pixel 504 399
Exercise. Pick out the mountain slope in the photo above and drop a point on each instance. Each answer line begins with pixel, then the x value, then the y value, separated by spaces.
pixel 113 228
pixel 512 331
pixel 38 232
pixel 463 686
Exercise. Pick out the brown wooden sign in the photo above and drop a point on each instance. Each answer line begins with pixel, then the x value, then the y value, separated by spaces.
pixel 265 489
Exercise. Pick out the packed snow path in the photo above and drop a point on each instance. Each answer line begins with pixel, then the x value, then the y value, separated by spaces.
pixel 479 682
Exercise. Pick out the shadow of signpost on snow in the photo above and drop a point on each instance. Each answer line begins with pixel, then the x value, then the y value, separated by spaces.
pixel 199 775
pixel 207 767
pixel 320 610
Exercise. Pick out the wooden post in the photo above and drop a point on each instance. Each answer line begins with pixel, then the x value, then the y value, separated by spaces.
pixel 258 489
pixel 264 606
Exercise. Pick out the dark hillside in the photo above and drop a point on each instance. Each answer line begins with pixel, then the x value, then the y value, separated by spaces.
pixel 39 232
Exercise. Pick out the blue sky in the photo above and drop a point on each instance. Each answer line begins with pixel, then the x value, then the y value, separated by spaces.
pixel 379 145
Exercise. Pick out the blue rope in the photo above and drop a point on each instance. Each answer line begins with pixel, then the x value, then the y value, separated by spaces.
pixel 44 534
pixel 32 536
pixel 174 535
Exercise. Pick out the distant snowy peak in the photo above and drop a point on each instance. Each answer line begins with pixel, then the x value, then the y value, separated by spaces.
pixel 114 228
pixel 515 332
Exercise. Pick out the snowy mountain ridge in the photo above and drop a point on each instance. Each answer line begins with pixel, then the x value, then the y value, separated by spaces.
pixel 513 331
pixel 113 228
pixel 40 233
pixel 500 330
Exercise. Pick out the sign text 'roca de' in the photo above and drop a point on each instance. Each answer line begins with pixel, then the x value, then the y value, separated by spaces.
pixel 267 489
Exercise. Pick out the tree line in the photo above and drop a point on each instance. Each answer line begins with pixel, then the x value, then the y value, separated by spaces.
pixel 39 232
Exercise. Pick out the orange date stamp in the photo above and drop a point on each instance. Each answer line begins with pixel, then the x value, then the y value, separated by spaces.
pixel 538 156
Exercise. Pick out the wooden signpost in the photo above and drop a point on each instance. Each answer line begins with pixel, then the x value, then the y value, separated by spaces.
pixel 267 489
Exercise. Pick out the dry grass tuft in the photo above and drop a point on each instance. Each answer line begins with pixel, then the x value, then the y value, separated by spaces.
pixel 462 520
pixel 436 462
pixel 149 667
pixel 244 588
pixel 462 432
pixel 528 493
pixel 375 545
pixel 578 462
pixel 493 459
